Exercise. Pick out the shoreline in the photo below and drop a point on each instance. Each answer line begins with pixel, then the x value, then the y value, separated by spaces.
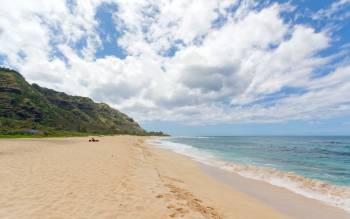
pixel 118 177
pixel 230 202
pixel 282 199
pixel 328 194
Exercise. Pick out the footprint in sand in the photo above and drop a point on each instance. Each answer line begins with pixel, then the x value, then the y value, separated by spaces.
pixel 186 201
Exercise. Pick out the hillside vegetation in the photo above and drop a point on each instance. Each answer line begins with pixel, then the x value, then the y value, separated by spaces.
pixel 31 109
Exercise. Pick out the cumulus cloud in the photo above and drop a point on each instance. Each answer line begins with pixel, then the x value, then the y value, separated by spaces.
pixel 194 61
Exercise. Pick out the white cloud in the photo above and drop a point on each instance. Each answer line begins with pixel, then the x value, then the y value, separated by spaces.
pixel 227 66
pixel 334 11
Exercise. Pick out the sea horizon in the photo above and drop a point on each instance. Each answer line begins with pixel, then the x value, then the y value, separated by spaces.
pixel 258 135
pixel 312 166
pixel 190 109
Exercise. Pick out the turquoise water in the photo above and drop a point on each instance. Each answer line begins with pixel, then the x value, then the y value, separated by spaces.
pixel 315 167
pixel 322 158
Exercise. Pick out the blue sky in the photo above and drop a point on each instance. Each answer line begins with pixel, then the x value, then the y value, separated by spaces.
pixel 330 127
pixel 192 67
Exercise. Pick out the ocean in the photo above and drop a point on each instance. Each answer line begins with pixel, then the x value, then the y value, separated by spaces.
pixel 316 167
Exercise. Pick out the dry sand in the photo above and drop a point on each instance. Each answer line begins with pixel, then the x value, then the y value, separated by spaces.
pixel 118 177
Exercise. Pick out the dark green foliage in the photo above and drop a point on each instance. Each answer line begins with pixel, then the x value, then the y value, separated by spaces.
pixel 26 107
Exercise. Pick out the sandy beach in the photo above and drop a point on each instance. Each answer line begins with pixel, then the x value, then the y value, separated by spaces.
pixel 118 177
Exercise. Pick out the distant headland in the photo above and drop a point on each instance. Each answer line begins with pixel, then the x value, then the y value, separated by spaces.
pixel 30 110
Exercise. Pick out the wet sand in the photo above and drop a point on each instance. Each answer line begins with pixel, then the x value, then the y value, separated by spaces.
pixel 290 203
pixel 118 177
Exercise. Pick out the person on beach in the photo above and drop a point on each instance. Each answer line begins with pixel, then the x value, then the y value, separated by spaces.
pixel 93 140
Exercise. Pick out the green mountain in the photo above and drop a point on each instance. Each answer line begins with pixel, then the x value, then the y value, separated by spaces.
pixel 26 108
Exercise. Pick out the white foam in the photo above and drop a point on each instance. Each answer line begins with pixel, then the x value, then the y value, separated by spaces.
pixel 183 149
pixel 338 196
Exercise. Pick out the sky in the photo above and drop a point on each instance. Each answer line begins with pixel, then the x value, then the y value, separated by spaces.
pixel 192 67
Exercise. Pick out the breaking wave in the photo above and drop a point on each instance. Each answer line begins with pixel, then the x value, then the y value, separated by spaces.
pixel 334 195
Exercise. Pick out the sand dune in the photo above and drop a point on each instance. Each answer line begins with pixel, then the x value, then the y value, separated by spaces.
pixel 118 177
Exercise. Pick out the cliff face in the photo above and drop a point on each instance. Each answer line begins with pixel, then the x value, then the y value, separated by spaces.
pixel 30 107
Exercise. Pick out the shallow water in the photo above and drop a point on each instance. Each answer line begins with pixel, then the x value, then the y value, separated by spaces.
pixel 316 167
